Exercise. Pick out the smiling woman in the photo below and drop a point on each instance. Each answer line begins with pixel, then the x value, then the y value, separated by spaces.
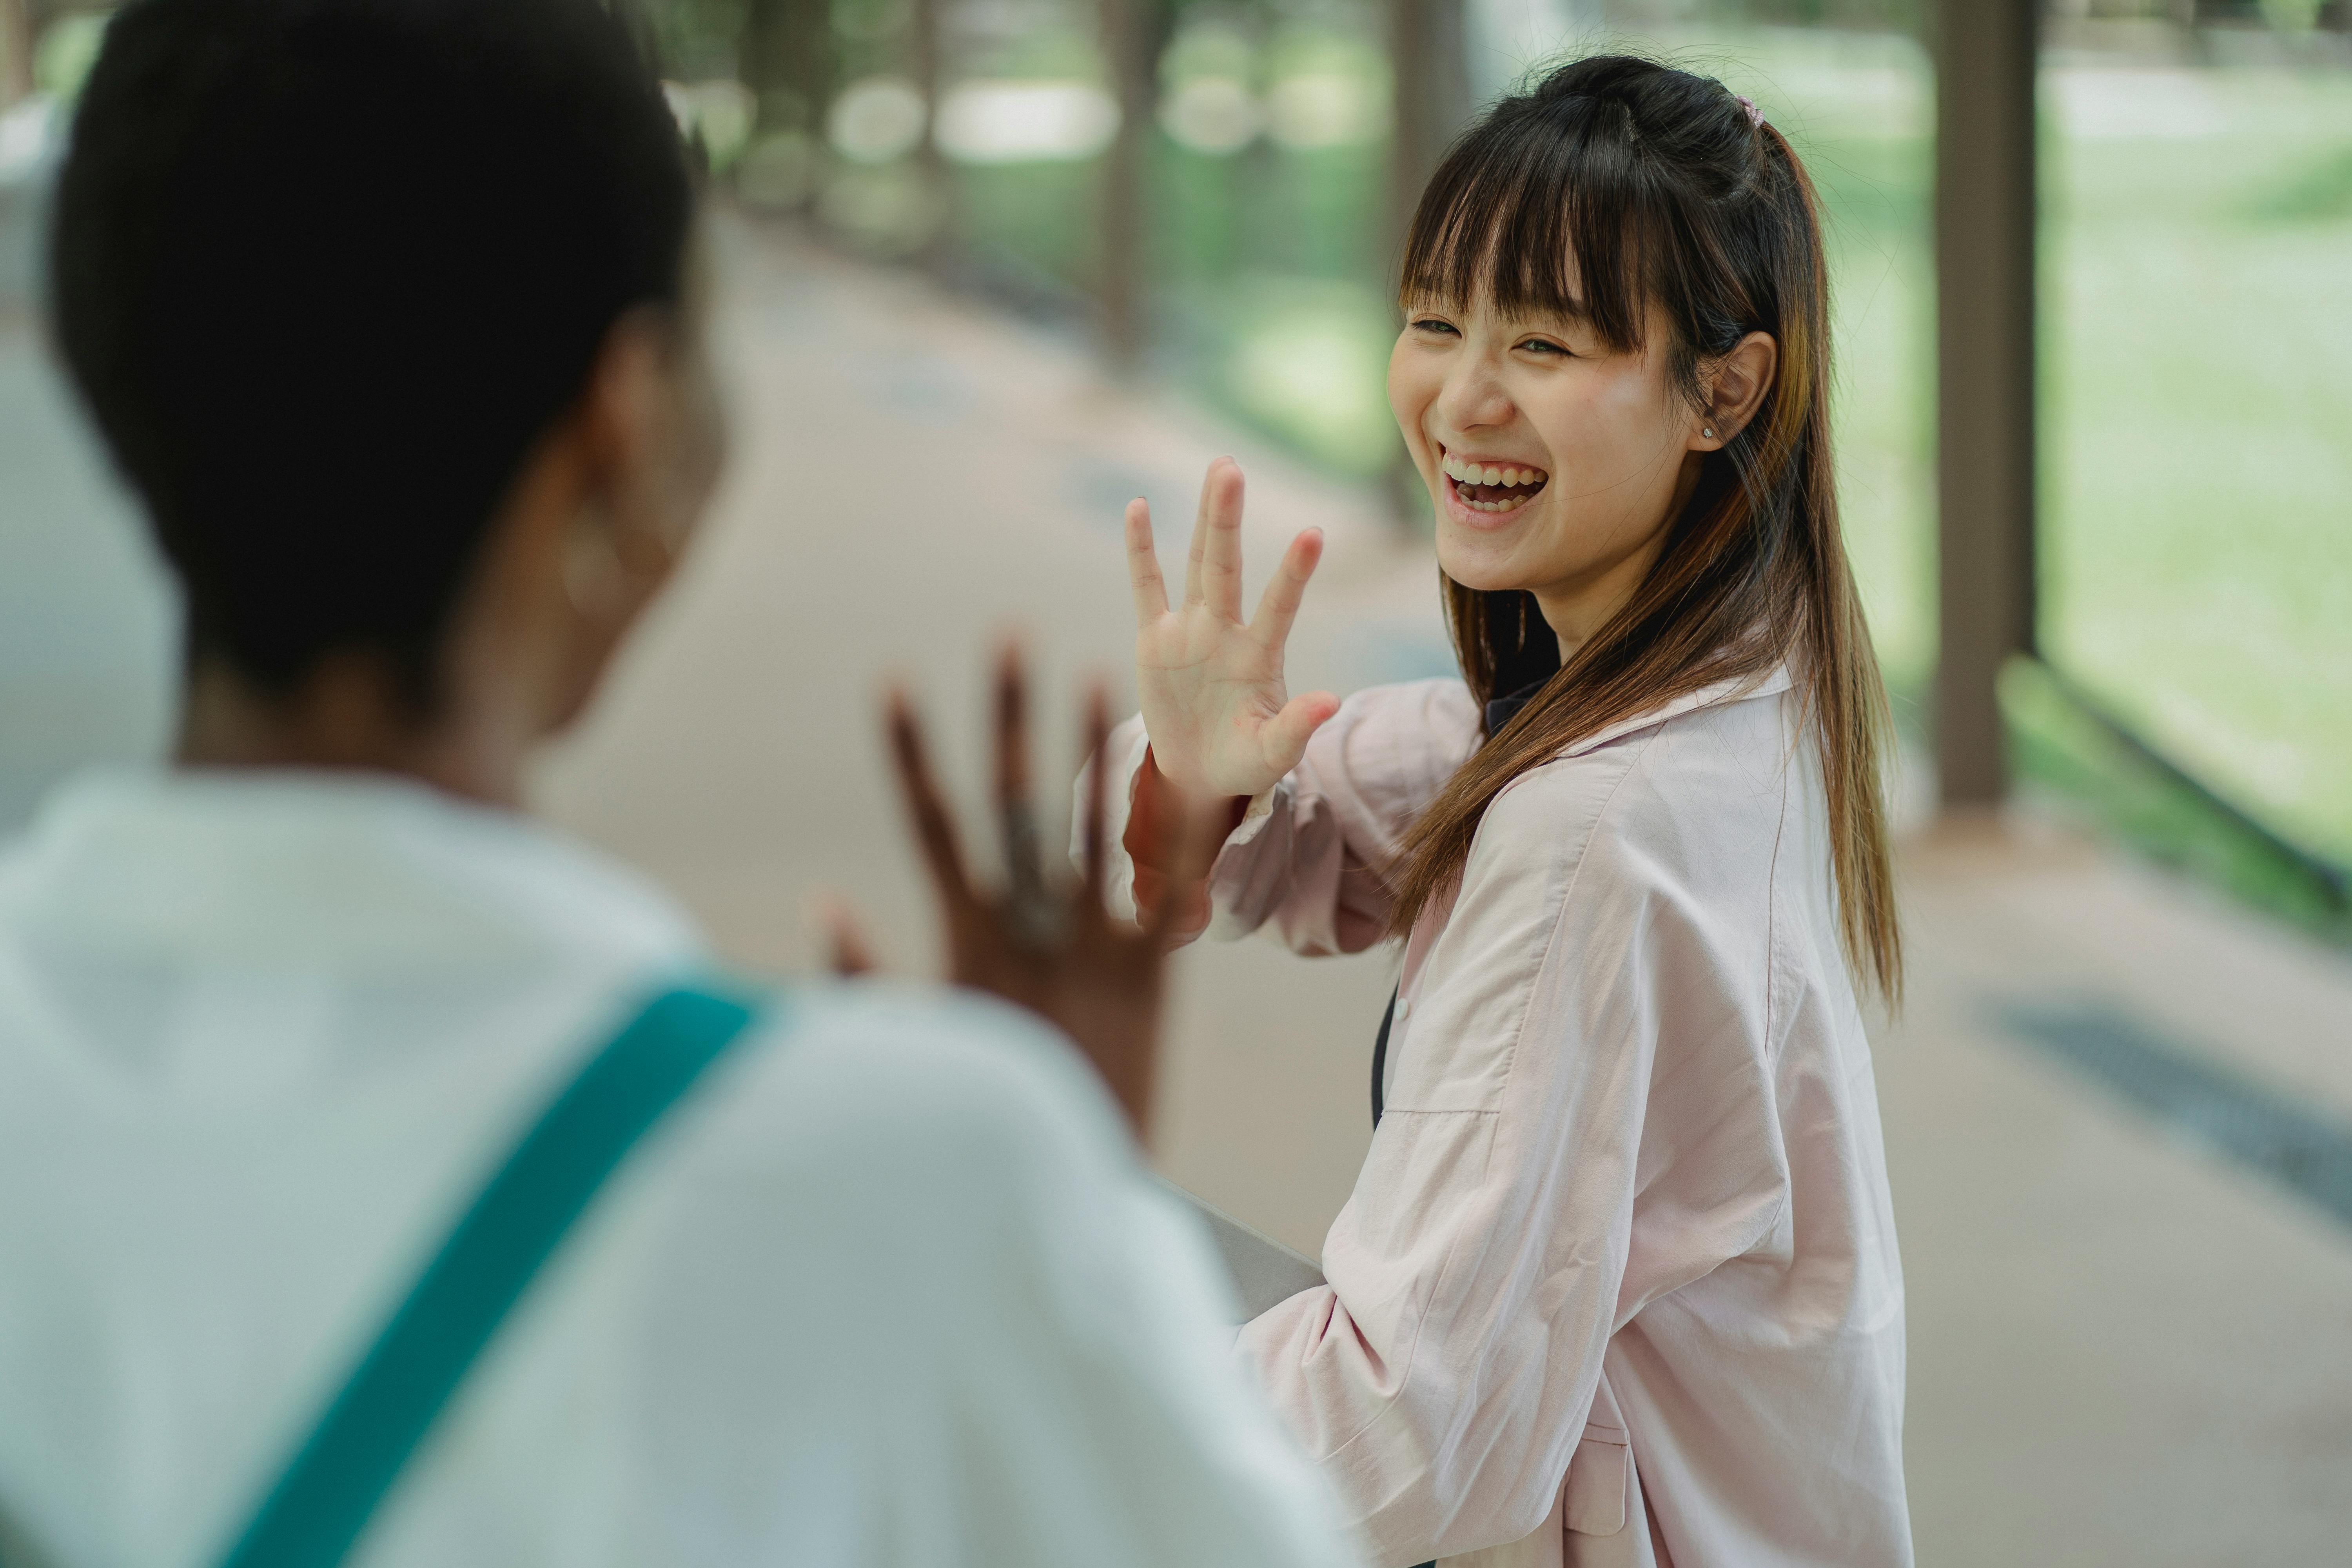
pixel 1618 1282
pixel 1635 308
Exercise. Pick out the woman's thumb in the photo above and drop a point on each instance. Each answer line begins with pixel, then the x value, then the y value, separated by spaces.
pixel 1296 723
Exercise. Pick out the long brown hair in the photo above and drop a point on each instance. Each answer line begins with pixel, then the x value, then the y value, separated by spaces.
pixel 1668 192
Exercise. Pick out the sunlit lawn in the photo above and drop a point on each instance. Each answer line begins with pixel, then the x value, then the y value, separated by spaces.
pixel 2197 483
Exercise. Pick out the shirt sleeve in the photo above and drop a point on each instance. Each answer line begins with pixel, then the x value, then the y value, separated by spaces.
pixel 1309 861
pixel 1519 1202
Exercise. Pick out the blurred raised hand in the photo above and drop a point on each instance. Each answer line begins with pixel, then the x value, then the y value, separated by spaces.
pixel 1054 949
pixel 1221 719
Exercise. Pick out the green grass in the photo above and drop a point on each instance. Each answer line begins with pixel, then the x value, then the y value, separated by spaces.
pixel 2197 482
pixel 2090 773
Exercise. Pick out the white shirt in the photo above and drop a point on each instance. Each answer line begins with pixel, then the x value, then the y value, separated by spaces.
pixel 890 1289
pixel 1618 1281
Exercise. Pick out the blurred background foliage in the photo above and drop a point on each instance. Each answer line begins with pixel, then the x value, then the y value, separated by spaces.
pixel 1214 189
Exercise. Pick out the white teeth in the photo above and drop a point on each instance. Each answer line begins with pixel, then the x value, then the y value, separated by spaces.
pixel 1481 474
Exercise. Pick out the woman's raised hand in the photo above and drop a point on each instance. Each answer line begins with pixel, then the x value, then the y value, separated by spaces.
pixel 1221 722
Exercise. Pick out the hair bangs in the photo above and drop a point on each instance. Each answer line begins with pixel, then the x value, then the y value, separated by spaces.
pixel 1530 213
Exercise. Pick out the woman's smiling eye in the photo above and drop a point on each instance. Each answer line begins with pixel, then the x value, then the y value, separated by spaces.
pixel 1431 324
pixel 1545 345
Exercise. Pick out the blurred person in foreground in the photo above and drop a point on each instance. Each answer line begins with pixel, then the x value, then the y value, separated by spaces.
pixel 389 309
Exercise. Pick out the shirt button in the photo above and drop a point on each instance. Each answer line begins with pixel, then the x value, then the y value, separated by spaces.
pixel 1404 1007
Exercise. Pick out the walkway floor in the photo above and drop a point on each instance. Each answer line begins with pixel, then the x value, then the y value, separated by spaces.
pixel 2125 1351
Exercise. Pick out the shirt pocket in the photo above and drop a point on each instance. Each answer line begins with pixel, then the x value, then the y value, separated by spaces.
pixel 1599 1479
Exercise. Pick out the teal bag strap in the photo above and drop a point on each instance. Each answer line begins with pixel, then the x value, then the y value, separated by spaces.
pixel 328 1493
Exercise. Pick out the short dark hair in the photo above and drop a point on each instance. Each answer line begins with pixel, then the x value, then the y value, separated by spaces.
pixel 325 270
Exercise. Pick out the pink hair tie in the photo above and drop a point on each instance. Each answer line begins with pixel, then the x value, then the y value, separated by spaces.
pixel 1755 115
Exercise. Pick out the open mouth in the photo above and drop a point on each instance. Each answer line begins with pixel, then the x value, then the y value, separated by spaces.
pixel 1491 487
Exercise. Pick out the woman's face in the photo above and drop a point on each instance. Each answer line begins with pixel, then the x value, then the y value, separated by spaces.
pixel 1555 461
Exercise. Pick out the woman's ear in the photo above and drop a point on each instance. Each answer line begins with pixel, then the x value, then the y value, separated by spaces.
pixel 1735 387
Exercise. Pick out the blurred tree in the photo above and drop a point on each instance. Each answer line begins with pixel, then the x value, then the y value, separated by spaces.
pixel 15 51
pixel 693 40
pixel 1134 35
pixel 1434 101
pixel 784 55
pixel 785 58
pixel 927 67
pixel 1860 16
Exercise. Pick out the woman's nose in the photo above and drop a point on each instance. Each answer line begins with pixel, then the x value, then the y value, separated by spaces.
pixel 1472 398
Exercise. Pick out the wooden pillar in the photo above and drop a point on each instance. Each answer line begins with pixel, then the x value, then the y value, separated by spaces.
pixel 1133 34
pixel 929 68
pixel 1430 69
pixel 15 51
pixel 1431 76
pixel 808 44
pixel 923 54
pixel 787 59
pixel 1985 381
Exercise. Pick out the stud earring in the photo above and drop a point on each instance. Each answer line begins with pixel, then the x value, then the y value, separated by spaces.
pixel 1708 431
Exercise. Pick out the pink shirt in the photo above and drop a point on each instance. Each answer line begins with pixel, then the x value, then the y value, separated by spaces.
pixel 1618 1280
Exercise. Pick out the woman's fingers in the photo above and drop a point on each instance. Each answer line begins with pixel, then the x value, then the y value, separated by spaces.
pixel 1286 734
pixel 1198 550
pixel 1143 564
pixel 1279 607
pixel 934 827
pixel 1098 764
pixel 1221 548
pixel 1213 573
pixel 1024 859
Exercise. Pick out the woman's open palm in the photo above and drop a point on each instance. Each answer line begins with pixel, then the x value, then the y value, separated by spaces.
pixel 1221 720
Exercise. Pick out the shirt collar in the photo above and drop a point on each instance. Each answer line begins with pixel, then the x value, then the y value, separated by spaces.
pixel 1501 710
pixel 1738 689
pixel 342 872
